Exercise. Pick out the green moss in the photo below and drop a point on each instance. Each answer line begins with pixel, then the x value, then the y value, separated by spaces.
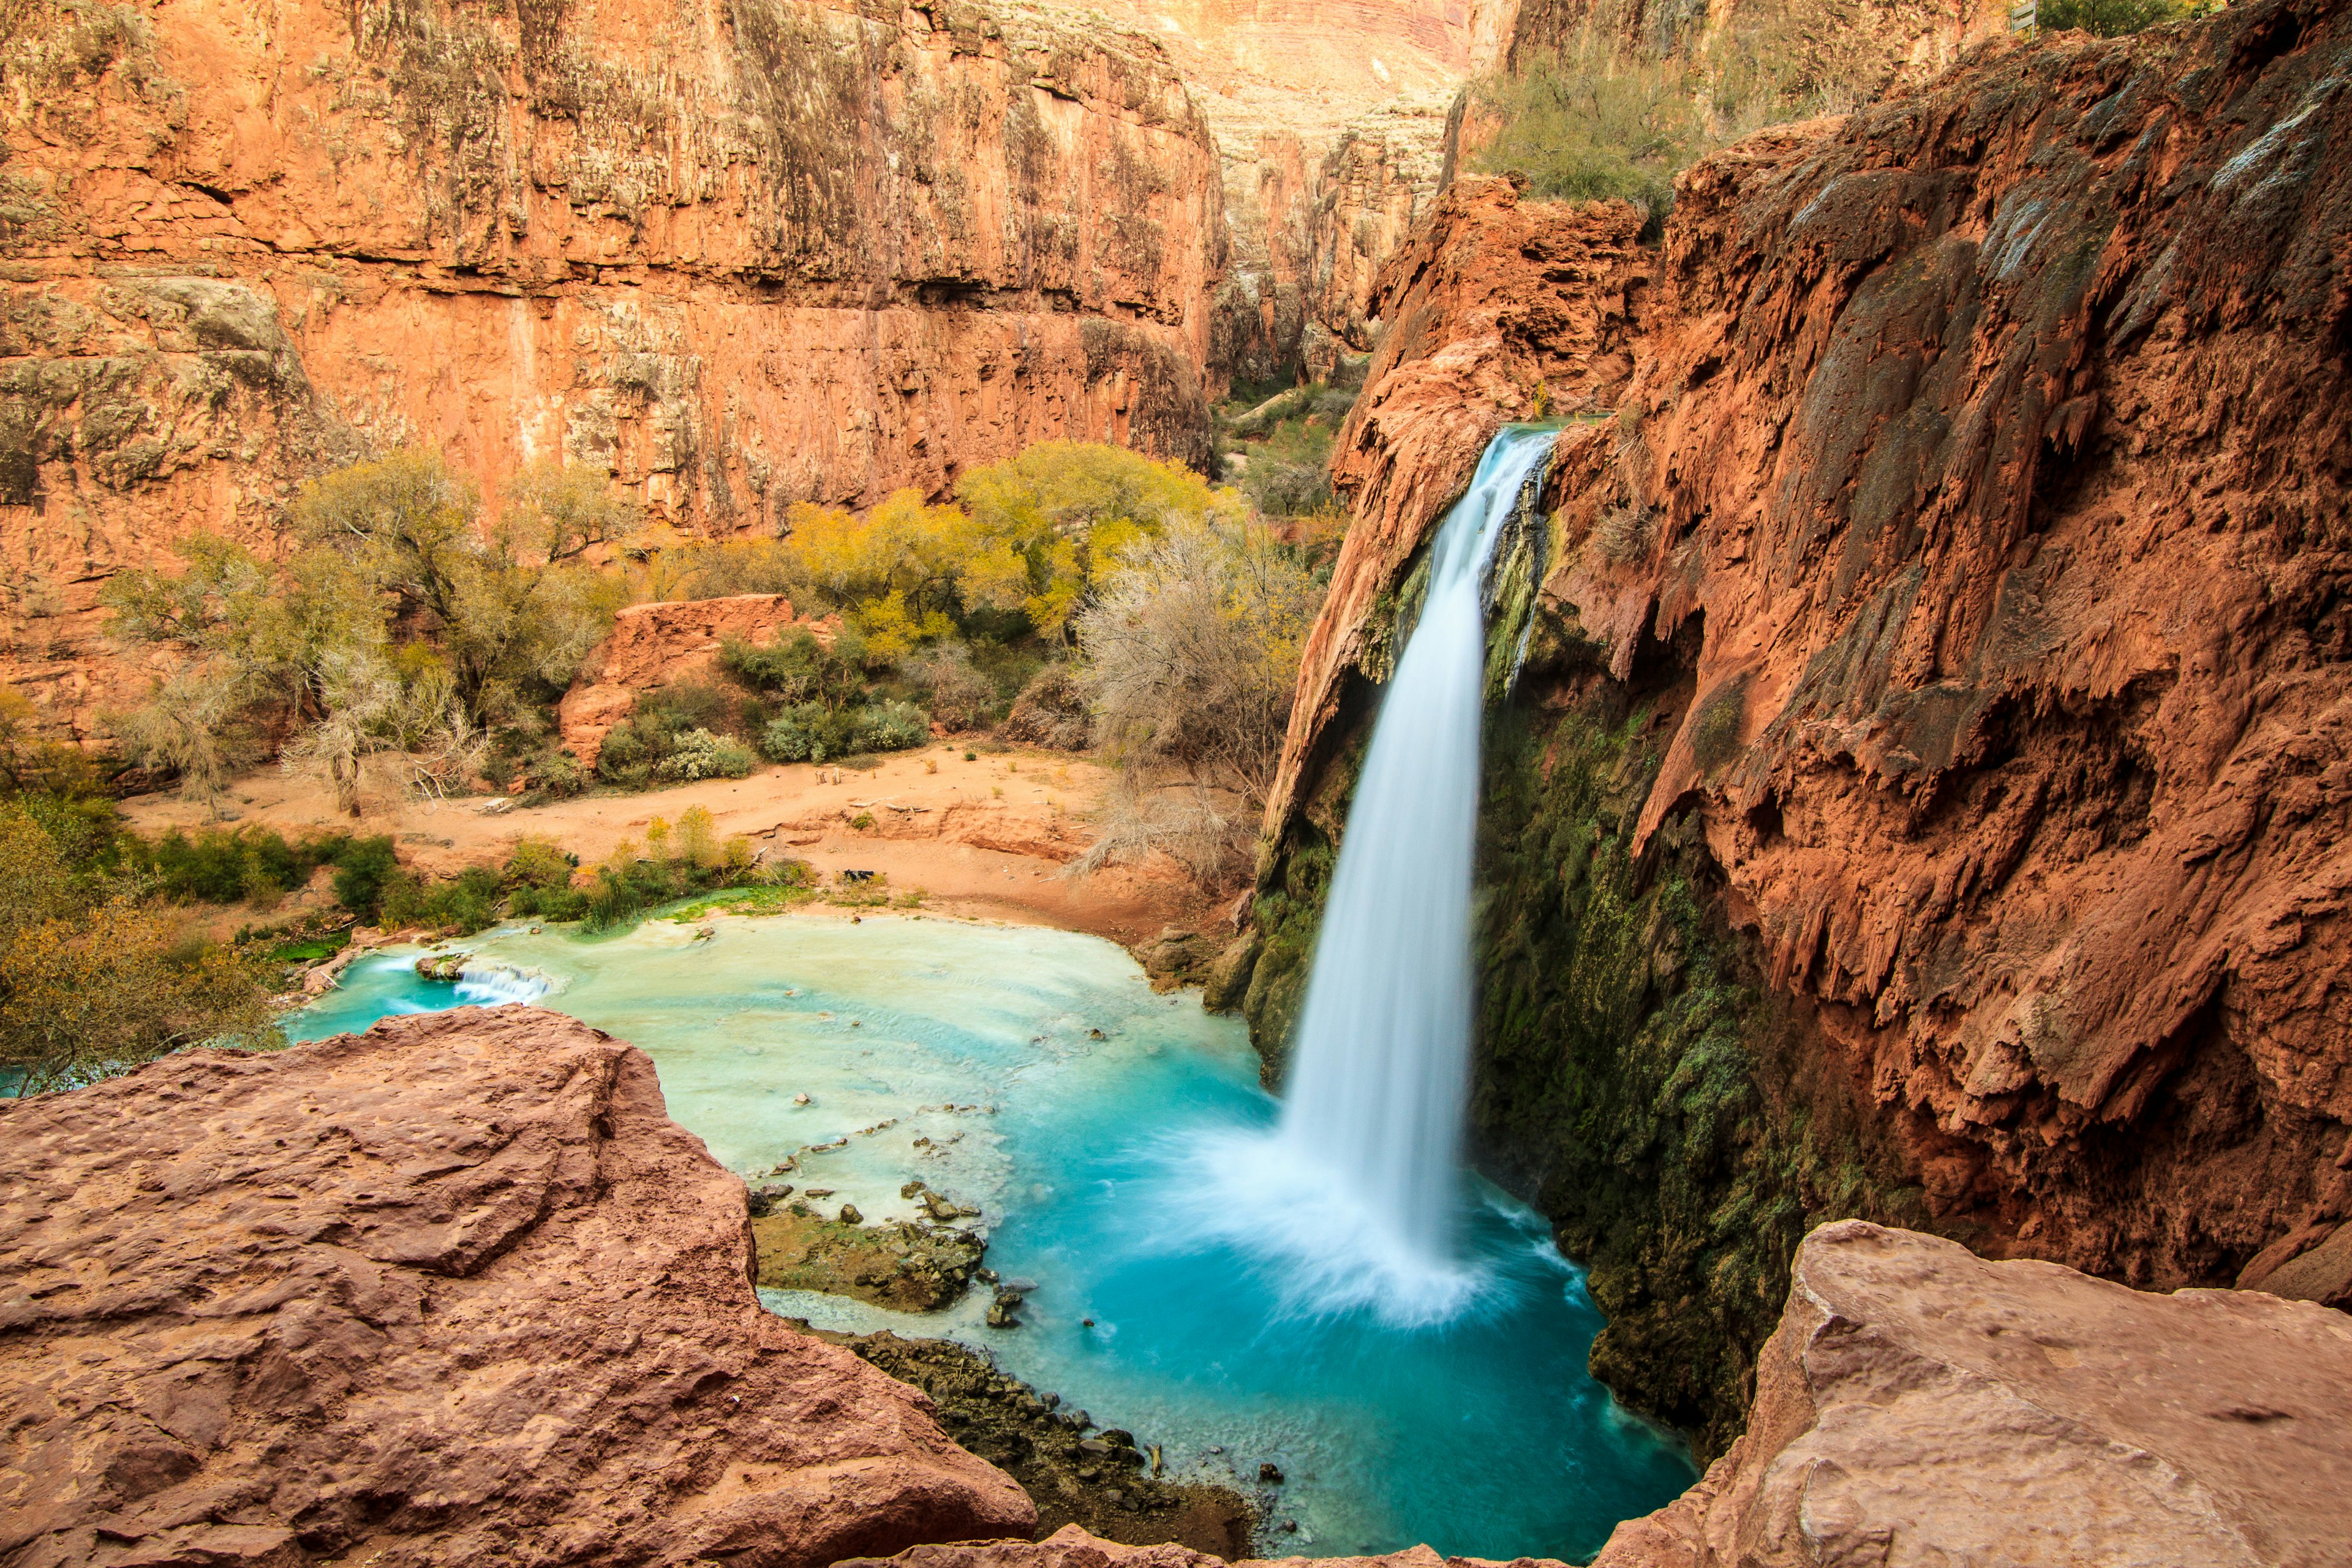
pixel 1631 1075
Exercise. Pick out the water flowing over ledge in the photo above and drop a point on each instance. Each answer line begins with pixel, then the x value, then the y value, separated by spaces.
pixel 1356 1196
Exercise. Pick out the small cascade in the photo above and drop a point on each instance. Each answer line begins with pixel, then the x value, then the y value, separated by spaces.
pixel 1356 1196
pixel 491 984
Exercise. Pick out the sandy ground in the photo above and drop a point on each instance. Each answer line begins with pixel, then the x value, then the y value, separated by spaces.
pixel 988 838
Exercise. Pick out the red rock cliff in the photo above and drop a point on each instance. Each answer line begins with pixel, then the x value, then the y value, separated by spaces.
pixel 1990 447
pixel 735 256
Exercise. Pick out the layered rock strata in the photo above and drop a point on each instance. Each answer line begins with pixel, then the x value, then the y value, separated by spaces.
pixel 1331 123
pixel 453 1290
pixel 1917 1405
pixel 735 256
pixel 1966 551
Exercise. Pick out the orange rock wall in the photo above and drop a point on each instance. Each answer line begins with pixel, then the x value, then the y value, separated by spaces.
pixel 736 256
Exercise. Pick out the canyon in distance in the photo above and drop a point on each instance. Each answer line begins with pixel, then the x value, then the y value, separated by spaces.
pixel 1397 782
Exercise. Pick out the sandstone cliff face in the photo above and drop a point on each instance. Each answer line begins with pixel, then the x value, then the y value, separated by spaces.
pixel 736 256
pixel 1495 308
pixel 453 1290
pixel 1919 1405
pixel 1331 120
pixel 1975 523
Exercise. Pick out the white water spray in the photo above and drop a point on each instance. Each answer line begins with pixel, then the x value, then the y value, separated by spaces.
pixel 1355 1195
pixel 488 984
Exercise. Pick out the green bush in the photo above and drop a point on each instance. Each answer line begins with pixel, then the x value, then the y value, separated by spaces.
pixel 808 732
pixel 889 727
pixel 700 754
pixel 220 867
pixel 1588 122
pixel 361 872
pixel 2107 18
pixel 468 901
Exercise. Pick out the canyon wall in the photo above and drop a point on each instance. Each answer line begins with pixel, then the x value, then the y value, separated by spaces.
pixel 1925 799
pixel 736 256
pixel 1331 121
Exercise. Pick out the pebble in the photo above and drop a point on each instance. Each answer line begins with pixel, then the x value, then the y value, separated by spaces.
pixel 799 1099
pixel 1023 1285
pixel 1080 1419
pixel 1270 1473
pixel 849 1215
pixel 1289 1527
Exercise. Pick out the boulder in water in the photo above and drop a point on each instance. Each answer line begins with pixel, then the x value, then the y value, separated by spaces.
pixel 442 968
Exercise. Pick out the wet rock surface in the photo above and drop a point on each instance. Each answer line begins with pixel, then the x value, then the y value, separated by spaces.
pixel 453 1290
pixel 1919 1405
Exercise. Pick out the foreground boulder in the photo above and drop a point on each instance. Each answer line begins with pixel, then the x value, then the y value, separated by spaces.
pixel 1921 1405
pixel 453 1290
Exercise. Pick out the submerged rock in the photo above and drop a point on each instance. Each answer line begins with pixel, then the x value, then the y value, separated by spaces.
pixel 249 1296
pixel 1920 1405
pixel 907 1267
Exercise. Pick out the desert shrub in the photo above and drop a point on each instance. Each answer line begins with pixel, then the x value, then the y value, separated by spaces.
pixel 954 690
pixel 889 727
pixel 799 668
pixel 2107 18
pixel 95 980
pixel 469 901
pixel 1589 121
pixel 221 867
pixel 700 754
pixel 809 733
pixel 32 766
pixel 1286 490
pixel 556 774
pixel 1192 652
pixel 801 733
pixel 687 706
pixel 401 625
pixel 1622 533
pixel 538 879
pixel 1051 710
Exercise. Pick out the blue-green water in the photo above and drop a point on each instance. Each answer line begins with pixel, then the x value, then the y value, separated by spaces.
pixel 964 1055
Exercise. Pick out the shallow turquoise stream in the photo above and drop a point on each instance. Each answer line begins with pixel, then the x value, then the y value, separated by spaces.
pixel 1482 1437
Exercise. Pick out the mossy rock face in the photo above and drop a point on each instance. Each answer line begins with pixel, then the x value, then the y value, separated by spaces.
pixel 907 1267
pixel 1102 1481
pixel 1634 1079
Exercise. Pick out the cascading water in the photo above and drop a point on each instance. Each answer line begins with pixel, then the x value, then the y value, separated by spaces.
pixel 1356 1193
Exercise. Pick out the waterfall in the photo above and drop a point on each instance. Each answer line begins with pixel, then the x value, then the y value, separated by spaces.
pixel 488 984
pixel 1355 1193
